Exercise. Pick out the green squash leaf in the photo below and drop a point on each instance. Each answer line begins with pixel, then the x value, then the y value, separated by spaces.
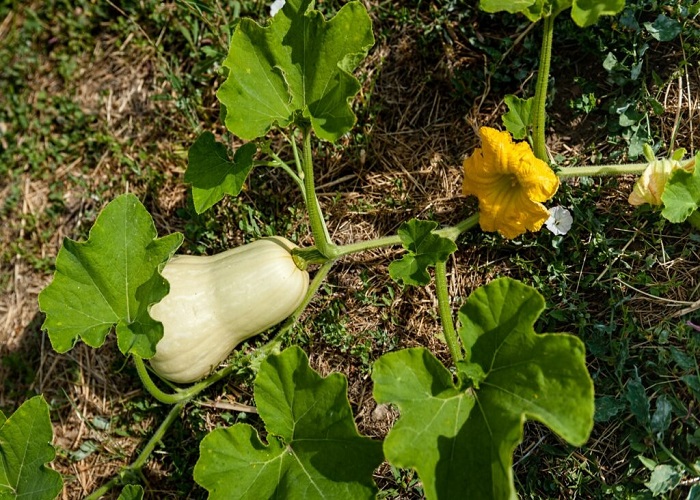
pixel 587 12
pixel 461 439
pixel 510 6
pixel 211 172
pixel 296 69
pixel 583 12
pixel 534 10
pixel 425 249
pixel 111 279
pixel 681 196
pixel 25 448
pixel 433 416
pixel 131 492
pixel 313 451
pixel 519 116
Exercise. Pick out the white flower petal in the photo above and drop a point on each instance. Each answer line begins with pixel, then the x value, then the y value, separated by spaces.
pixel 559 221
pixel 276 7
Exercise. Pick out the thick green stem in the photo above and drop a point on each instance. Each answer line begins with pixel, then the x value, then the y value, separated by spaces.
pixel 539 114
pixel 445 311
pixel 601 170
pixel 151 387
pixel 183 395
pixel 127 472
pixel 318 224
pixel 362 246
pixel 451 232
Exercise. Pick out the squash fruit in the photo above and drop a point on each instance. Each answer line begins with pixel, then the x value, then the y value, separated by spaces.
pixel 215 302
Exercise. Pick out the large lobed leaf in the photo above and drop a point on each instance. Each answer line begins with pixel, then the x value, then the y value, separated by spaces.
pixel 111 279
pixel 583 12
pixel 211 172
pixel 313 451
pixel 297 68
pixel 25 448
pixel 460 437
pixel 588 12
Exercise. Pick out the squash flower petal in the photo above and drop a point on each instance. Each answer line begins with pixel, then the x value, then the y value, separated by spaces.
pixel 510 183
pixel 650 186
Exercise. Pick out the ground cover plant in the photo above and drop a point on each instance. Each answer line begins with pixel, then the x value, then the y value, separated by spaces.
pixel 623 280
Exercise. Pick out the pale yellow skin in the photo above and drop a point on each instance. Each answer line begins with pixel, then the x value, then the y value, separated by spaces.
pixel 219 301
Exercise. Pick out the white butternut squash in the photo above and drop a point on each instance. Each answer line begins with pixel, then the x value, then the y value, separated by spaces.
pixel 215 302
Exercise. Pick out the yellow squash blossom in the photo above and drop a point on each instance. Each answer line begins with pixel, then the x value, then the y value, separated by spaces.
pixel 510 183
pixel 650 186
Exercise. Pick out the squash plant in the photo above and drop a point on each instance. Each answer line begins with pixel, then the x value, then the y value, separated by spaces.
pixel 459 423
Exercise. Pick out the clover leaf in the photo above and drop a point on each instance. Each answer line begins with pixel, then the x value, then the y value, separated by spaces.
pixel 211 172
pixel 460 438
pixel 110 280
pixel 294 70
pixel 313 448
pixel 425 249
pixel 25 448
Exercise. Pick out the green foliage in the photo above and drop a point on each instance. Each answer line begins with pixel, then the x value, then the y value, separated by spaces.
pixel 25 448
pixel 211 172
pixel 663 29
pixel 681 196
pixel 131 492
pixel 588 12
pixel 425 249
pixel 630 54
pixel 111 279
pixel 457 450
pixel 294 70
pixel 313 450
pixel 583 12
pixel 518 119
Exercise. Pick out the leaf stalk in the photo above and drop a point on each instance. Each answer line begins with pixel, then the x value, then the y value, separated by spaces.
pixel 318 224
pixel 445 312
pixel 601 170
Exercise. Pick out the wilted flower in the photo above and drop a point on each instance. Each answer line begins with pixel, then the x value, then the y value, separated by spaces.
pixel 650 186
pixel 510 183
pixel 559 221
